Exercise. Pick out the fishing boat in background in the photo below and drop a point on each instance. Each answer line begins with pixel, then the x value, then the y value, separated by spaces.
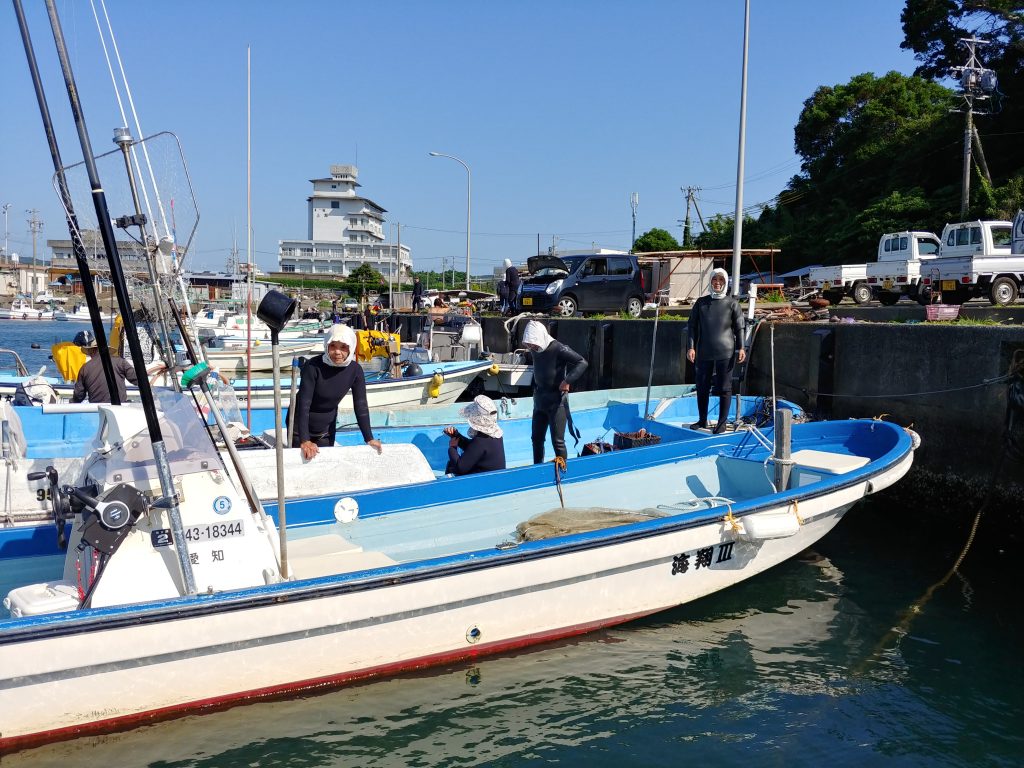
pixel 80 314
pixel 24 309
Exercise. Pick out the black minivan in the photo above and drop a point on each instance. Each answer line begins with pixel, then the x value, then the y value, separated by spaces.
pixel 596 283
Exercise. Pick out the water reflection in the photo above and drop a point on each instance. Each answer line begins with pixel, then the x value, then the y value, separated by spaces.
pixel 783 668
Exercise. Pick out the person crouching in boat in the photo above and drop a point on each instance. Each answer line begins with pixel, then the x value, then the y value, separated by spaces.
pixel 91 383
pixel 555 368
pixel 325 380
pixel 484 449
pixel 714 344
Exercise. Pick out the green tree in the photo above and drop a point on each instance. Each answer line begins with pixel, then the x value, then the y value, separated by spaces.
pixel 860 144
pixel 363 278
pixel 933 29
pixel 655 240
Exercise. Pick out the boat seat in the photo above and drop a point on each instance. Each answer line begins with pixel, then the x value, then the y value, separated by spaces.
pixel 813 466
pixel 826 461
pixel 330 554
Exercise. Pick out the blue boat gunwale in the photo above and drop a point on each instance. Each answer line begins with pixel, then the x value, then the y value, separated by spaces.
pixel 13 631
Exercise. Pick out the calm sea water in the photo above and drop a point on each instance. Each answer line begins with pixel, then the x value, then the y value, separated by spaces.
pixel 823 660
pixel 20 335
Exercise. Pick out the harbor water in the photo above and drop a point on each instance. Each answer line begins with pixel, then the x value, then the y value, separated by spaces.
pixel 848 655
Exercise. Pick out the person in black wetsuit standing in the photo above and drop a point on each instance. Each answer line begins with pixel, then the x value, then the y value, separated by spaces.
pixel 325 380
pixel 714 344
pixel 513 280
pixel 555 368
pixel 484 449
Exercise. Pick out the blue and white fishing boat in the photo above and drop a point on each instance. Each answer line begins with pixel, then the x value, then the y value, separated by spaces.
pixel 63 436
pixel 389 579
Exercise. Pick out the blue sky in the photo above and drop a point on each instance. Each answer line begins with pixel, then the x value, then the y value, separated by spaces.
pixel 561 108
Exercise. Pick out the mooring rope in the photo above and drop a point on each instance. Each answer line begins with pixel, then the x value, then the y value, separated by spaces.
pixel 903 626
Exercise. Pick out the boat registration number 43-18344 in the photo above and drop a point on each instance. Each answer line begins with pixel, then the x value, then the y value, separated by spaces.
pixel 224 530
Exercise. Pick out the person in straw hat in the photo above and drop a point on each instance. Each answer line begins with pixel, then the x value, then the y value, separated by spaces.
pixel 484 449
pixel 91 382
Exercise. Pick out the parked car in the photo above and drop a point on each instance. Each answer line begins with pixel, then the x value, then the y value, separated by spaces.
pixel 567 284
pixel 349 305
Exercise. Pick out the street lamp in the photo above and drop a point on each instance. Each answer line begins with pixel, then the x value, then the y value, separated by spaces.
pixel 469 202
pixel 7 207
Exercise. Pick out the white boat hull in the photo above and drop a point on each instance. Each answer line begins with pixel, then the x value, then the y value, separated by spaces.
pixel 156 667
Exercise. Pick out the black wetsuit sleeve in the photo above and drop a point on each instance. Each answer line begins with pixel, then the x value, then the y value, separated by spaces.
pixel 693 326
pixel 737 323
pixel 359 404
pixel 307 386
pixel 575 365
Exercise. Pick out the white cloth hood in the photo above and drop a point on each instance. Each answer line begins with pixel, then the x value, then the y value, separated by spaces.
pixel 536 333
pixel 346 335
pixel 725 290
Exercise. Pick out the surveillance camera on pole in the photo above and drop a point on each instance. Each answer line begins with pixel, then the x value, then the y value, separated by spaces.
pixel 978 85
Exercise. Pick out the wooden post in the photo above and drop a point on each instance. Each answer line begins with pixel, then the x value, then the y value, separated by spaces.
pixel 783 443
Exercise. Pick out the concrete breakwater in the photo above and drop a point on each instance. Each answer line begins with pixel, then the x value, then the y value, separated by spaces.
pixel 949 382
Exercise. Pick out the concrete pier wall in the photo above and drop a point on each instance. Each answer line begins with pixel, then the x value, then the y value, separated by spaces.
pixel 935 377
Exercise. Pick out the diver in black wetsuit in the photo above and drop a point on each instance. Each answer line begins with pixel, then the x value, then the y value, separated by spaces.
pixel 555 368
pixel 714 335
pixel 325 380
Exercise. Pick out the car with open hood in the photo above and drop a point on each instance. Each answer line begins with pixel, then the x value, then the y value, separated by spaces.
pixel 565 285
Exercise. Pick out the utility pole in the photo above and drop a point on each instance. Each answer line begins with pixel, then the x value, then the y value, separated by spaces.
pixel 634 201
pixel 36 226
pixel 977 85
pixel 690 193
pixel 7 253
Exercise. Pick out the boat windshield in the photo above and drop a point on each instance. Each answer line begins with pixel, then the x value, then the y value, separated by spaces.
pixel 186 441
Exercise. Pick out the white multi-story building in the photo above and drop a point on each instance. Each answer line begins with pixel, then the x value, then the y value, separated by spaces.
pixel 345 231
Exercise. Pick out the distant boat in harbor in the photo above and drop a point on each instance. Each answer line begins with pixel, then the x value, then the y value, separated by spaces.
pixel 80 314
pixel 24 309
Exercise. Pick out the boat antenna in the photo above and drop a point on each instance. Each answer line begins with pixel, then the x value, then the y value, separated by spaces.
pixel 737 231
pixel 123 140
pixel 128 318
pixel 77 246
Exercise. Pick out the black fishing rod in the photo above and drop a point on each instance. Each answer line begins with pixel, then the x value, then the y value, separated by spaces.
pixel 69 210
pixel 99 199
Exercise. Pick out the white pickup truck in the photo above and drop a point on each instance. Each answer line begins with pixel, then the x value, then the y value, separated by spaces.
pixel 897 270
pixel 979 259
pixel 841 280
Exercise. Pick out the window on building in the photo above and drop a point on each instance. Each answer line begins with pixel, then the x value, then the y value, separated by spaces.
pixel 287 267
pixel 335 204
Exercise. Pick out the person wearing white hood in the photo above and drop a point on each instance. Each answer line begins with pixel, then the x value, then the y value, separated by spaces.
pixel 555 368
pixel 513 280
pixel 714 334
pixel 325 380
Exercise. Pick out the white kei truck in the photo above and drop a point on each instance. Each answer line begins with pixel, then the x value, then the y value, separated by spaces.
pixel 979 259
pixel 896 272
pixel 841 280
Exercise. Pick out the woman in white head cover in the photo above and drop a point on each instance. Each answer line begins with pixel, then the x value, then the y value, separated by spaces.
pixel 484 449
pixel 325 381
pixel 513 280
pixel 714 345
pixel 555 368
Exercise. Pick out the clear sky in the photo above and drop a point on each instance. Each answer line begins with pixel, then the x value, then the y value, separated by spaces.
pixel 562 109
